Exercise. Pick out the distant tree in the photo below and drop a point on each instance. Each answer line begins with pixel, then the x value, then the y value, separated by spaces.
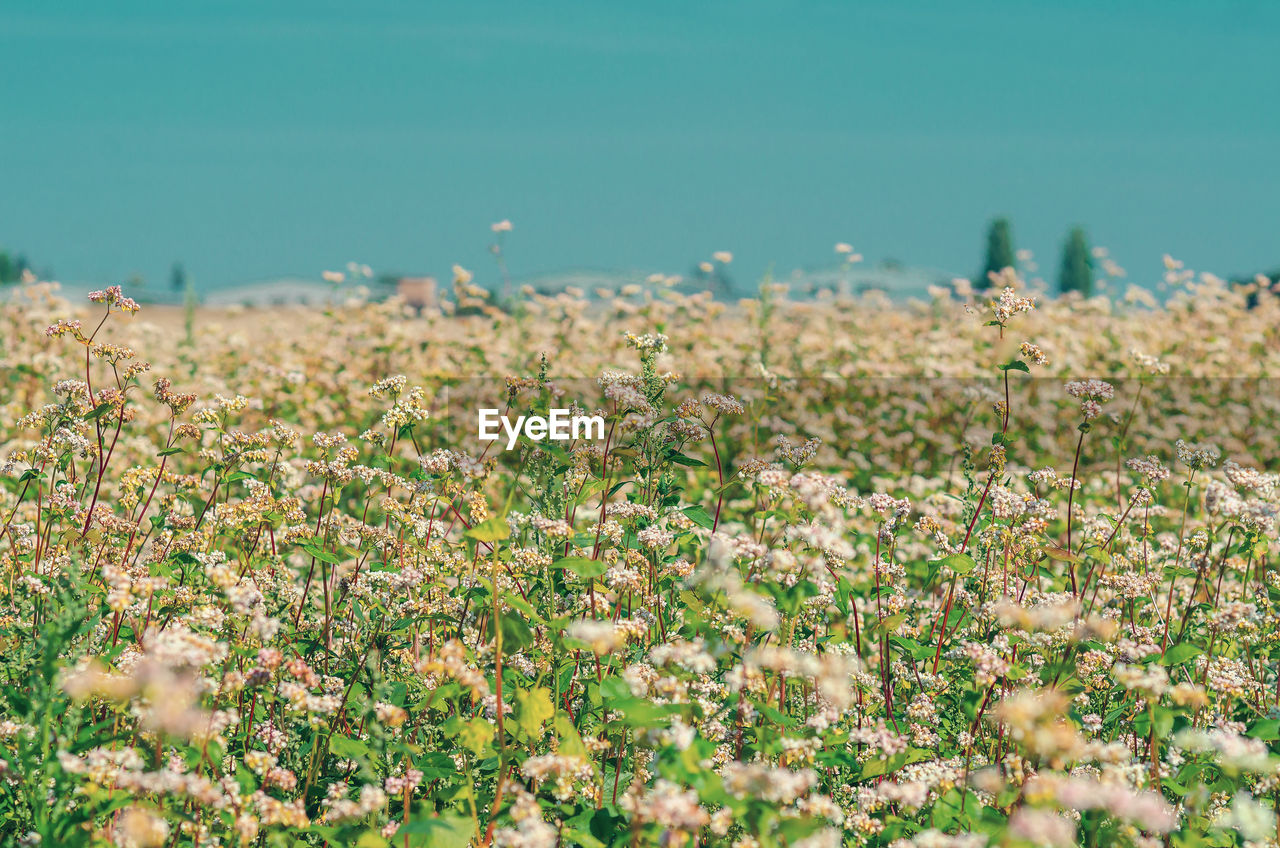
pixel 1258 283
pixel 1000 253
pixel 12 268
pixel 178 277
pixel 1077 264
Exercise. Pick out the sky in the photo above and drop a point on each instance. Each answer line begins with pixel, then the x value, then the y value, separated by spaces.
pixel 259 139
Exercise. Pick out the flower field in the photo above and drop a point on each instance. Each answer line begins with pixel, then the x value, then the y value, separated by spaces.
pixel 995 570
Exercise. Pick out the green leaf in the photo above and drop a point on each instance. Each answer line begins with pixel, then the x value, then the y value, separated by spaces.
pixel 959 563
pixel 1060 554
pixel 911 646
pixel 1015 365
pixel 589 488
pixel 533 708
pixel 792 830
pixel 1015 672
pixel 97 412
pixel 348 748
pixel 584 567
pixel 570 740
pixel 1267 729
pixel 472 734
pixel 699 516
pixel 494 529
pixel 448 830
pixel 775 715
pixel 521 604
pixel 321 554
pixel 613 688
pixel 1180 653
pixel 637 712
pixel 877 767
pixel 516 635
pixel 891 623
pixel 581 837
pixel 435 765
pixel 1163 720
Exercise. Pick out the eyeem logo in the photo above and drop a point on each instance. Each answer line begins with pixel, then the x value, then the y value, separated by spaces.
pixel 560 426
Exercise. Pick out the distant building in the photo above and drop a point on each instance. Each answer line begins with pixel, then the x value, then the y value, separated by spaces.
pixel 418 292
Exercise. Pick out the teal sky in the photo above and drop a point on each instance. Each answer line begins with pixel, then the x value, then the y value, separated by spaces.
pixel 257 139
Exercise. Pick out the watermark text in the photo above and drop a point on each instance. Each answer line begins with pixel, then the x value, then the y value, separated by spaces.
pixel 560 425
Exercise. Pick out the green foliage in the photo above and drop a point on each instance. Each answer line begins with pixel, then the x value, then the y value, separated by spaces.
pixel 12 267
pixel 1000 253
pixel 1076 274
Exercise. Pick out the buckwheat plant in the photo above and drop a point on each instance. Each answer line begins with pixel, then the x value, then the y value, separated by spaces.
pixel 825 580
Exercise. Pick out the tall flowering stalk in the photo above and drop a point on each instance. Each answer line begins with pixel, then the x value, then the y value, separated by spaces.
pixel 1091 394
